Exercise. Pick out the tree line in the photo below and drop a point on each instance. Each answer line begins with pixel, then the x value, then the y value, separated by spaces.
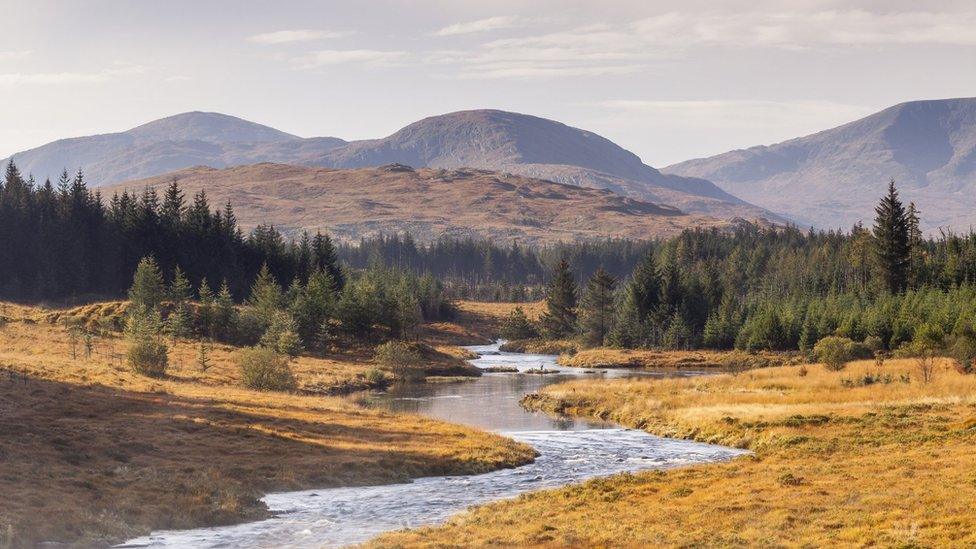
pixel 775 289
pixel 64 242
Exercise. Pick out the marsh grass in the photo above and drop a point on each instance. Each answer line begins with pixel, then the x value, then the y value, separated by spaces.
pixel 879 464
pixel 93 453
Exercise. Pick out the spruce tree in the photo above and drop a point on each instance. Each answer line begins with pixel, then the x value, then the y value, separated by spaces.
pixel 180 289
pixel 597 307
pixel 915 247
pixel 891 240
pixel 266 296
pixel 147 289
pixel 225 314
pixel 559 319
pixel 205 313
pixel 518 326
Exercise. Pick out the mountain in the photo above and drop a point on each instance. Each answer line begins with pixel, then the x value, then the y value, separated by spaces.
pixel 485 139
pixel 428 203
pixel 834 178
pixel 172 143
pixel 536 147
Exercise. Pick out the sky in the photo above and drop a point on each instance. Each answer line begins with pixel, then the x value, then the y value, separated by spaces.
pixel 668 80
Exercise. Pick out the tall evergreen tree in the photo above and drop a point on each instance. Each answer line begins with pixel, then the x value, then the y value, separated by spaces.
pixel 148 289
pixel 891 239
pixel 597 307
pixel 559 319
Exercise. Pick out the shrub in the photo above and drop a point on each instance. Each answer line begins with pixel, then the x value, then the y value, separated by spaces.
pixel 147 354
pixel 834 352
pixel 149 358
pixel 873 344
pixel 375 377
pixel 399 358
pixel 266 369
pixel 963 351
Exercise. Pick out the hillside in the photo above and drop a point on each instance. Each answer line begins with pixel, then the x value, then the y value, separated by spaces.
pixel 426 202
pixel 172 143
pixel 537 147
pixel 834 178
pixel 484 139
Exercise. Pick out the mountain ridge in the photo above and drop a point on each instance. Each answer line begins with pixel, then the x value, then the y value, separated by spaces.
pixel 928 147
pixel 485 138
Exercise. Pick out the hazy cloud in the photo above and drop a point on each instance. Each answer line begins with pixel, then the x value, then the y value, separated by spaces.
pixel 105 75
pixel 481 25
pixel 14 54
pixel 298 35
pixel 374 58
pixel 798 29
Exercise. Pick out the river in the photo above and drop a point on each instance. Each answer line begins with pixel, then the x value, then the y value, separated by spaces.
pixel 570 450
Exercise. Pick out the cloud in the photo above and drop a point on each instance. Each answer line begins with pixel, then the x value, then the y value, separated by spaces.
pixel 607 49
pixel 801 30
pixel 372 58
pixel 15 54
pixel 105 75
pixel 481 25
pixel 298 35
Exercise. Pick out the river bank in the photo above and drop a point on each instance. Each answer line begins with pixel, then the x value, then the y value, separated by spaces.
pixel 569 451
pixel 865 456
pixel 93 453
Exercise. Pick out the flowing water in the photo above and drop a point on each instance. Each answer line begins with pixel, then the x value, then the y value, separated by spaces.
pixel 570 450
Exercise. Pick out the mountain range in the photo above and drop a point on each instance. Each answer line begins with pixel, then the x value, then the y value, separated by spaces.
pixel 485 139
pixel 833 178
pixel 427 203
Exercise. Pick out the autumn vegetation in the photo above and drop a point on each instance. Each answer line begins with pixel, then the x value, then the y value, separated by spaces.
pixel 869 455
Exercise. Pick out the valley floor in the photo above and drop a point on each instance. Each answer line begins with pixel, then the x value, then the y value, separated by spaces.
pixel 92 453
pixel 836 462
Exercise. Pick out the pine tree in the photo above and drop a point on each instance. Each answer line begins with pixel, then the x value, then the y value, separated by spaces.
pixel 147 288
pixel 518 326
pixel 205 313
pixel 266 296
pixel 891 238
pixel 916 249
pixel 225 314
pixel 644 290
pixel 180 289
pixel 597 307
pixel 559 319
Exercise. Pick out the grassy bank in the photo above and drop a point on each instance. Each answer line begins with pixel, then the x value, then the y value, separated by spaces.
pixel 93 453
pixel 863 457
pixel 645 358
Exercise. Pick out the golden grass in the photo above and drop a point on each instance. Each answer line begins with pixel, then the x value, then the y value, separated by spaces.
pixel 93 453
pixel 889 464
pixel 604 357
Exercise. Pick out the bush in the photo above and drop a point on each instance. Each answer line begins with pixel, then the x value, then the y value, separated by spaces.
pixel 375 377
pixel 148 357
pixel 963 351
pixel 399 358
pixel 873 344
pixel 265 369
pixel 835 352
pixel 147 354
